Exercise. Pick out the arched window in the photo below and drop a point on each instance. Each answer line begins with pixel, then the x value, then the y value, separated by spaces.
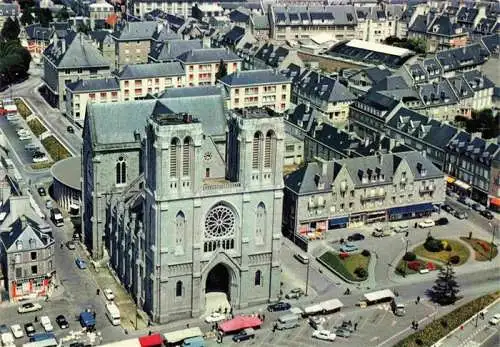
pixel 174 157
pixel 121 171
pixel 256 149
pixel 180 226
pixel 178 288
pixel 260 224
pixel 186 156
pixel 258 278
pixel 268 148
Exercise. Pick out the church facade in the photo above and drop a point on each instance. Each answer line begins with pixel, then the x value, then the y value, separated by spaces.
pixel 189 203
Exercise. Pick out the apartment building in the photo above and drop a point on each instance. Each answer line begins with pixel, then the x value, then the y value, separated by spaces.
pixel 201 65
pixel 70 59
pixel 182 8
pixel 257 88
pixel 138 80
pixel 376 23
pixel 26 251
pixel 271 55
pixel 8 10
pixel 81 92
pixel 133 42
pixel 326 195
pixel 99 12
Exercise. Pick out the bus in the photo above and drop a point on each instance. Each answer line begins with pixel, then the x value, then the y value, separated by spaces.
pixel 177 337
pixel 44 343
pixel 113 313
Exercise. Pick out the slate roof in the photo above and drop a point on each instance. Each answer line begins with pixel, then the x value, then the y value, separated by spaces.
pixel 97 85
pixel 378 101
pixel 420 23
pixel 253 77
pixel 442 25
pixel 474 148
pixel 417 72
pixel 137 71
pixel 239 16
pixel 135 31
pixel 461 88
pixel 432 67
pixel 29 232
pixel 233 35
pixel 166 34
pixel 303 116
pixel 323 15
pixel 261 22
pixel 79 53
pixel 271 55
pixel 8 10
pixel 115 123
pixel 437 93
pixel 491 42
pixel 99 35
pixel 170 50
pixel 376 74
pixel 486 26
pixel 393 82
pixel 456 58
pixel 477 81
pixel 293 72
pixel 303 181
pixel 208 55
pixel 318 86
pixel 467 15
pixel 37 32
pixel 422 127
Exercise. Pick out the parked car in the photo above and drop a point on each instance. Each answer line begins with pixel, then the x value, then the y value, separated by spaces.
pixel 460 214
pixel 71 245
pixel 348 247
pixel 30 329
pixel 427 223
pixel 62 322
pixel 401 227
pixel 215 317
pixel 356 237
pixel 302 258
pixel 82 264
pixel 346 326
pixel 447 208
pixel 478 207
pixel 279 306
pixel 487 214
pixel 4 329
pixel 246 334
pixel 495 319
pixel 317 322
pixel 381 232
pixel 46 324
pixel 108 294
pixel 324 335
pixel 41 191
pixel 49 204
pixel 31 147
pixel 39 157
pixel 29 307
pixel 441 221
pixel 17 331
pixel 295 293
pixel 343 332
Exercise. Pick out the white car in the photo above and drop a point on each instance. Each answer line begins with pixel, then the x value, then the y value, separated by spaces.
pixel 108 294
pixel 17 331
pixel 29 307
pixel 324 335
pixel 46 324
pixel 428 223
pixel 215 317
pixel 495 319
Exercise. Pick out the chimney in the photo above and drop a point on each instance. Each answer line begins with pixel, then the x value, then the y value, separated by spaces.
pixel 63 45
pixel 23 221
pixel 308 107
pixel 380 159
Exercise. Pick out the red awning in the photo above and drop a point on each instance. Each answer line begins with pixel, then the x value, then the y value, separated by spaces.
pixel 240 323
pixel 155 340
pixel 495 201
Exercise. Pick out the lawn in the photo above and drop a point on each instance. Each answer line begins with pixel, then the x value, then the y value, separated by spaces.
pixel 482 249
pixel 346 266
pixel 457 248
pixel 23 110
pixel 438 329
pixel 36 127
pixel 55 149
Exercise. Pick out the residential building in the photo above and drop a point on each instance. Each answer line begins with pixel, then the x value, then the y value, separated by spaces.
pixel 165 257
pixel 474 91
pixel 169 50
pixel 257 88
pixel 138 80
pixel 26 251
pixel 376 23
pixel 182 8
pixel 204 12
pixel 133 42
pixel 8 10
pixel 363 80
pixel 70 59
pixel 439 101
pixel 274 56
pixel 100 11
pixel 81 92
pixel 463 59
pixel 325 195
pixel 201 65
pixel 260 27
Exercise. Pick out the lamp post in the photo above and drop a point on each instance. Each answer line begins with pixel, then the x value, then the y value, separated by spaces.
pixel 307 277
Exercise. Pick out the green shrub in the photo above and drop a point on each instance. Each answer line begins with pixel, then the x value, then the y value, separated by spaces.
pixel 455 259
pixel 360 272
pixel 448 248
pixel 410 256
pixel 365 253
pixel 433 245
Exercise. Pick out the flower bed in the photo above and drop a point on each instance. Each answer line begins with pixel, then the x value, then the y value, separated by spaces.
pixel 55 149
pixel 347 265
pixel 456 249
pixel 438 329
pixel 22 109
pixel 36 127
pixel 414 266
pixel 482 249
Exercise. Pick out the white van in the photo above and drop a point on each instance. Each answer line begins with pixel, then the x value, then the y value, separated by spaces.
pixel 398 307
pixel 302 258
pixel 113 313
pixel 288 321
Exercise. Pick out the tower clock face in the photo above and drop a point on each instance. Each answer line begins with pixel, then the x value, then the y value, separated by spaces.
pixel 207 156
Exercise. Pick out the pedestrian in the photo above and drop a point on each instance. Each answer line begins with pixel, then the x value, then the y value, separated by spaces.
pixel 225 310
pixel 126 332
pixel 413 324
pixel 355 326
pixel 350 323
pixel 416 224
pixel 275 326
pixel 263 317
pixel 418 299
pixel 149 333
pixel 36 319
pixel 62 245
pixel 187 326
pixel 97 291
pixel 416 325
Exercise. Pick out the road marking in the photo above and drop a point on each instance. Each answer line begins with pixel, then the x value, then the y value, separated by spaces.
pixel 374 338
pixel 394 322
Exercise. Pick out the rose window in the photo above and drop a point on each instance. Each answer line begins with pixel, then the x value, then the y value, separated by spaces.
pixel 220 221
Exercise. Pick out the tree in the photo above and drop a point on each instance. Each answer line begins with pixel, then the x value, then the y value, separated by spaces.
pixel 222 70
pixel 27 17
pixel 484 122
pixel 14 62
pixel 44 16
pixel 10 30
pixel 63 14
pixel 445 288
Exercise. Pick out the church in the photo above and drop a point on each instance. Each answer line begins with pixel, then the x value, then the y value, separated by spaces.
pixel 185 198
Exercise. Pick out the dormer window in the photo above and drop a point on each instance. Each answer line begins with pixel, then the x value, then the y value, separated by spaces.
pixel 364 179
pixel 19 245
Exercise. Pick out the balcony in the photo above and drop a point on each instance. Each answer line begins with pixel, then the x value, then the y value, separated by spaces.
pixel 216 185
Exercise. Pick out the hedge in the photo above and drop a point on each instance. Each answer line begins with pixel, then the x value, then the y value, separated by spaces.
pixel 22 109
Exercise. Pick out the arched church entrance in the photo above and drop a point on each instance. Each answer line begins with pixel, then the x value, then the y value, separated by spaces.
pixel 218 289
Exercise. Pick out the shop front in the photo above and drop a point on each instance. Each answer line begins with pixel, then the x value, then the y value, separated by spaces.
pixel 495 204
pixel 30 288
pixel 338 222
pixel 412 211
pixel 313 230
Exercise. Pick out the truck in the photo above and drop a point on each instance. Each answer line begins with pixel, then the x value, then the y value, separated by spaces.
pixel 57 217
pixel 87 319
